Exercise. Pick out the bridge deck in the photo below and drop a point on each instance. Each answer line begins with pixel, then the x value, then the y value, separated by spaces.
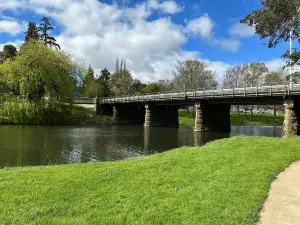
pixel 246 92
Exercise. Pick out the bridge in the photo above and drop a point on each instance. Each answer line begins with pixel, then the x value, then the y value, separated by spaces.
pixel 212 106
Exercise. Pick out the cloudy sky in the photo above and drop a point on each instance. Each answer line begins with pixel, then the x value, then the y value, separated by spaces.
pixel 151 35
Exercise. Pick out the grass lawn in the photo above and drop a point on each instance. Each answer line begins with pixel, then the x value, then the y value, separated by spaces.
pixel 257 120
pixel 223 182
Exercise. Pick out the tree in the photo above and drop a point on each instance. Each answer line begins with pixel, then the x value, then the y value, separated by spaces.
pixel 274 78
pixel 32 32
pixel 151 88
pixel 44 29
pixel 275 20
pixel 137 86
pixel 121 80
pixel 103 81
pixel 193 74
pixel 9 52
pixel 90 85
pixel 295 77
pixel 253 75
pixel 38 81
pixel 234 79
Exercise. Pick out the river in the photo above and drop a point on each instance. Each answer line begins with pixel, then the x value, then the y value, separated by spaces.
pixel 42 145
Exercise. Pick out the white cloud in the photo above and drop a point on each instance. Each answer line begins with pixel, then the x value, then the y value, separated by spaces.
pixel 202 25
pixel 97 33
pixel 169 6
pixel 10 27
pixel 241 31
pixel 231 45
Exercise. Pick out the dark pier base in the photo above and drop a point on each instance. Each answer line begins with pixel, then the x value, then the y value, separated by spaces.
pixel 161 116
pixel 212 117
pixel 128 114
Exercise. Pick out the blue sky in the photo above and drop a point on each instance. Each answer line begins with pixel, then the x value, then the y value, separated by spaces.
pixel 151 35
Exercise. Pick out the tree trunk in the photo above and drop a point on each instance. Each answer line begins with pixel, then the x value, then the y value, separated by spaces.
pixel 187 110
pixel 238 111
pixel 275 111
pixel 251 112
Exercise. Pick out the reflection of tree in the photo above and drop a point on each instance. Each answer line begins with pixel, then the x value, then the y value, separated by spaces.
pixel 26 145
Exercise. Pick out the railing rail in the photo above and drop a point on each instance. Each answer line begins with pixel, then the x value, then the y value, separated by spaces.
pixel 239 92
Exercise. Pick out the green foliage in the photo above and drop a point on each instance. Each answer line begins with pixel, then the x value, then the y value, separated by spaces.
pixel 44 29
pixel 32 32
pixel 90 86
pixel 103 81
pixel 121 82
pixel 274 78
pixel 295 77
pixel 235 119
pixel 274 21
pixel 223 182
pixel 39 80
pixel 9 52
pixel 137 86
pixel 151 88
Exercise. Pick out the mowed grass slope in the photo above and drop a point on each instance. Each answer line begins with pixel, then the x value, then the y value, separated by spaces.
pixel 224 182
pixel 244 119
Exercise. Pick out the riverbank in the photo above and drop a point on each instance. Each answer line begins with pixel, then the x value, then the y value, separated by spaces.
pixel 244 119
pixel 78 116
pixel 224 182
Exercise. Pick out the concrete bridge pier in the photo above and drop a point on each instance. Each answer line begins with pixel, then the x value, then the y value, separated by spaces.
pixel 291 117
pixel 212 117
pixel 128 114
pixel 161 116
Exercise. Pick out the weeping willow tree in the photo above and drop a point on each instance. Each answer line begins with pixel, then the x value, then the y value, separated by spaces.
pixel 37 84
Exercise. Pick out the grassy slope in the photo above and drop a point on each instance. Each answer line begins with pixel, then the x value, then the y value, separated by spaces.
pixel 224 182
pixel 258 119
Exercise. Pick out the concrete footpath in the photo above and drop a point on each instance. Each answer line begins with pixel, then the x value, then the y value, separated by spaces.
pixel 282 206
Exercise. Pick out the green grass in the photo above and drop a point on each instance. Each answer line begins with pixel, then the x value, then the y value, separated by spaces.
pixel 224 182
pixel 257 120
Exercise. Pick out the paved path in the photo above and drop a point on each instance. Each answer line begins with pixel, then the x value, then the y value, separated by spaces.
pixel 282 206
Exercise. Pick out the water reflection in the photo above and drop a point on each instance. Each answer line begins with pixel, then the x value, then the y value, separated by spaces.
pixel 35 145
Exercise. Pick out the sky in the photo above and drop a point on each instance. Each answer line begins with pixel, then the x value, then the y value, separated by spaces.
pixel 151 35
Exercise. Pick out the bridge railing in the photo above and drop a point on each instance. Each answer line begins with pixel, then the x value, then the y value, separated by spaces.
pixel 246 91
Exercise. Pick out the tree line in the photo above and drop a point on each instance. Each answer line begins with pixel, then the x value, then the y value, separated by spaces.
pixel 37 82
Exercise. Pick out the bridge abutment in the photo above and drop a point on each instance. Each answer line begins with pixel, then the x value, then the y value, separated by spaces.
pixel 212 117
pixel 128 114
pixel 161 116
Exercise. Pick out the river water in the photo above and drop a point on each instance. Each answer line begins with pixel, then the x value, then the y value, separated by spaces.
pixel 39 145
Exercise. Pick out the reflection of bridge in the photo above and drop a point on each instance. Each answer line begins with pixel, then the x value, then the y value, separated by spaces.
pixel 212 106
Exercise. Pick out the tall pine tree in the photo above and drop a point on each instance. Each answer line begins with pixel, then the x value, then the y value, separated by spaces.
pixel 44 29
